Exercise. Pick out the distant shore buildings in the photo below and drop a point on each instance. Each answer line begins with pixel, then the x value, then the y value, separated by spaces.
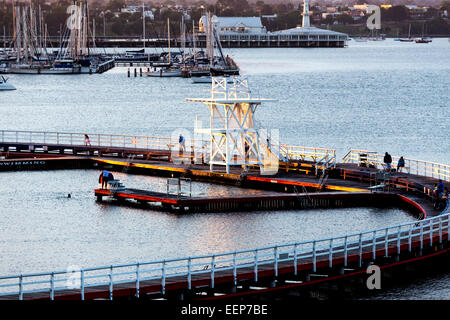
pixel 250 32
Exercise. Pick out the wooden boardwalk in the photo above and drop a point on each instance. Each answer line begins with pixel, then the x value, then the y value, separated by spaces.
pixel 424 239
pixel 354 257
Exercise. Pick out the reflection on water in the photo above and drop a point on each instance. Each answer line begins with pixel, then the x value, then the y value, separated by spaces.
pixel 42 229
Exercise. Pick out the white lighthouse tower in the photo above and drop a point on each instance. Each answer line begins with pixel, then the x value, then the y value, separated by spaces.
pixel 306 14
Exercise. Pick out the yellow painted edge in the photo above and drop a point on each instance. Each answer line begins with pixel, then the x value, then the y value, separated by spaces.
pixel 139 165
pixel 349 189
pixel 149 166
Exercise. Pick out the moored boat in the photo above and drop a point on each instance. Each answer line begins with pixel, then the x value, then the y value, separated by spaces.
pixel 165 72
pixel 5 85
pixel 423 40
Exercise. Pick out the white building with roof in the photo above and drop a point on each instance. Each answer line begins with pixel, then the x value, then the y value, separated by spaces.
pixel 235 25
pixel 307 32
pixel 249 31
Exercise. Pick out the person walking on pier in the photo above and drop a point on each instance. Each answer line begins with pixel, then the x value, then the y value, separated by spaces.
pixel 387 161
pixel 400 164
pixel 87 141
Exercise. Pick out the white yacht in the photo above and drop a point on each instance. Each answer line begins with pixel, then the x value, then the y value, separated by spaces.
pixel 165 72
pixel 61 66
pixel 4 85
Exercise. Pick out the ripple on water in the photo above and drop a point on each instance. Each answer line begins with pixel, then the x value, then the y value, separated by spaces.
pixel 44 230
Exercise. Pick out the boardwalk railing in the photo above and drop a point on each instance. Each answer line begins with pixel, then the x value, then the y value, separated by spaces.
pixel 412 166
pixel 137 275
pixel 77 139
pixel 315 155
pixel 150 143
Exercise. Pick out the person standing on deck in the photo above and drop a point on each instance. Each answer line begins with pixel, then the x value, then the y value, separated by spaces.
pixel 181 144
pixel 104 178
pixel 400 164
pixel 387 161
pixel 440 188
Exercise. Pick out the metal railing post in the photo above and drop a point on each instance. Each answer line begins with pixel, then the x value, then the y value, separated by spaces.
pixel 440 229
pixel 212 271
pixel 421 235
pixel 386 241
pixel 360 249
pixel 20 287
pixel 137 279
pixel 410 238
pixel 82 284
pixel 52 287
pixel 255 265
pixel 314 256
pixel 295 259
pixel 275 252
pixel 330 253
pixel 234 268
pixel 374 246
pixel 189 273
pixel 431 232
pixel 110 282
pixel 398 240
pixel 345 251
pixel 163 278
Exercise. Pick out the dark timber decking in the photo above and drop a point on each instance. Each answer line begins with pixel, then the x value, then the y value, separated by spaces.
pixel 349 179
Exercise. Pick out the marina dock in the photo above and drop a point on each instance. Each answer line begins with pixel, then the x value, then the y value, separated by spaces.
pixel 236 152
pixel 267 201
pixel 295 267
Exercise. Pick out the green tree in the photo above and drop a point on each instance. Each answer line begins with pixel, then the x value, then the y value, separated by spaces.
pixel 115 5
pixel 344 19
pixel 395 13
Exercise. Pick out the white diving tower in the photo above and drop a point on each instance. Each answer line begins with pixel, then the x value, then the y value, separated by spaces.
pixel 233 138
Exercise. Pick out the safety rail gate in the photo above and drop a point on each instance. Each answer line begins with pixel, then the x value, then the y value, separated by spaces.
pixel 412 166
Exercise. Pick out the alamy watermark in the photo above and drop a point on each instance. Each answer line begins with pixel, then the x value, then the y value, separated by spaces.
pixel 374 280
pixel 374 20
pixel 74 277
pixel 236 148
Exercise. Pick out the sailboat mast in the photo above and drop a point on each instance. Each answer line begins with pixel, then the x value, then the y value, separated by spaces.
pixel 143 24
pixel 168 37
pixel 193 38
pixel 183 36
pixel 86 35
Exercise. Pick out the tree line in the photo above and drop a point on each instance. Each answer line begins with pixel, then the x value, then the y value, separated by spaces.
pixel 109 21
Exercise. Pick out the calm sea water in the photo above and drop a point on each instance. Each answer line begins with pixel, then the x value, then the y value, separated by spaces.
pixel 383 96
